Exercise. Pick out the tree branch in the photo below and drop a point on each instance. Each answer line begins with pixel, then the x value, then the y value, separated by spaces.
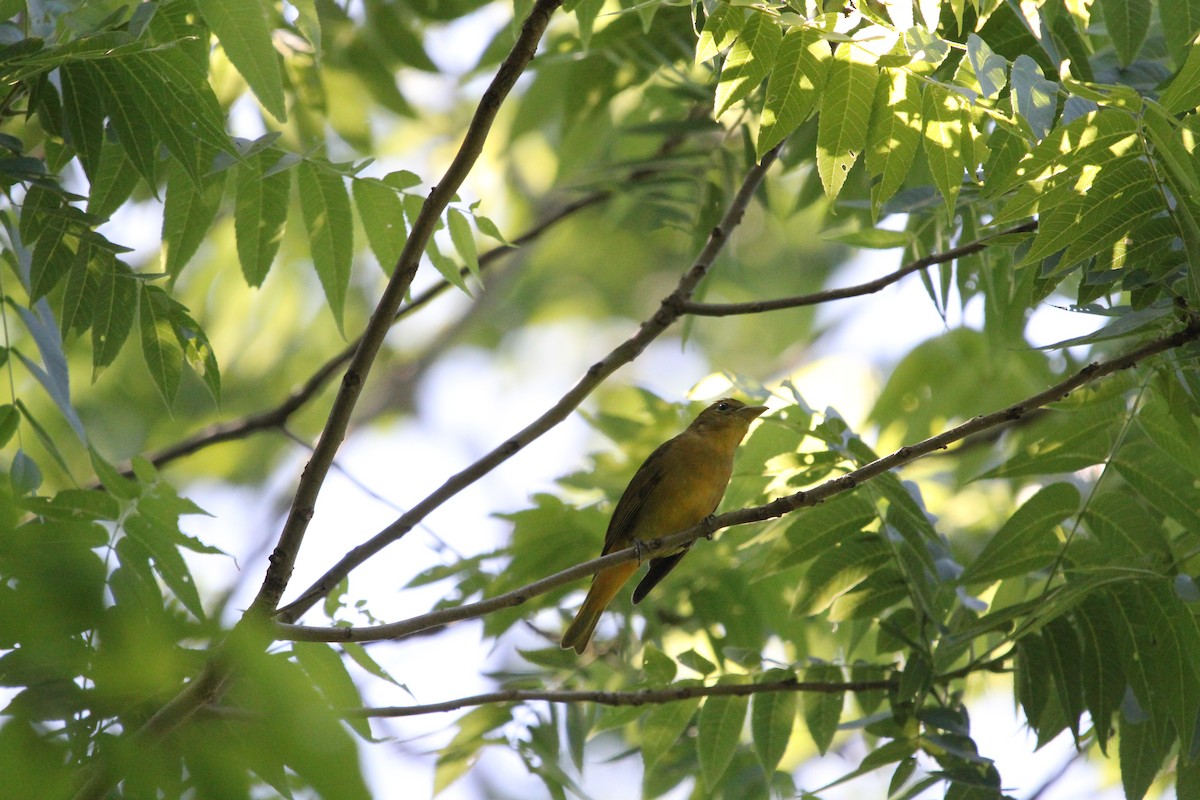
pixel 279 570
pixel 278 416
pixel 776 508
pixel 641 697
pixel 870 287
pixel 670 309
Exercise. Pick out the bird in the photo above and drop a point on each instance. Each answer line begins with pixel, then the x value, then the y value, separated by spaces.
pixel 680 484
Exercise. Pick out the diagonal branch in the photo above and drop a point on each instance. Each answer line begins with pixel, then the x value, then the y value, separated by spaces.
pixel 870 287
pixel 776 508
pixel 668 312
pixel 279 571
pixel 278 416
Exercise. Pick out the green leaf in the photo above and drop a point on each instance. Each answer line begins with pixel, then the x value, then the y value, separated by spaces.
pixel 719 728
pixel 816 530
pixel 1161 482
pixel 772 717
pixel 720 31
pixel 126 107
pixel 84 113
pixel 158 536
pixel 242 28
pixel 328 672
pixel 326 207
pixel 1127 22
pixel 794 87
pixel 463 239
pixel 990 69
pixel 116 302
pixel 1183 92
pixel 662 729
pixel 845 115
pixel 1100 673
pixel 113 181
pixel 1035 99
pixel 894 134
pixel 838 570
pixel 382 215
pixel 446 266
pixel 188 213
pixel 160 347
pixel 1097 216
pixel 9 418
pixel 260 212
pixel 1180 20
pixel 53 255
pixel 1143 748
pixel 823 710
pixel 749 61
pixel 945 134
pixel 1026 542
pixel 657 665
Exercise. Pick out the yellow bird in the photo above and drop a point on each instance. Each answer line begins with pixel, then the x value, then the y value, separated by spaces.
pixel 679 485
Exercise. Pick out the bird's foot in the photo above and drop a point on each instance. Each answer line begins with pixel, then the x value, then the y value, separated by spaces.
pixel 708 521
pixel 637 545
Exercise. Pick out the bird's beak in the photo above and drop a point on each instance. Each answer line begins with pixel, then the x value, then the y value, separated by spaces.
pixel 750 412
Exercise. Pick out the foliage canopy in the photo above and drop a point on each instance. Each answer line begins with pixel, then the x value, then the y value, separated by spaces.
pixel 661 162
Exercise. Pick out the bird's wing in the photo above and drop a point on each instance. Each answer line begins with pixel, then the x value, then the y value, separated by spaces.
pixel 659 567
pixel 633 501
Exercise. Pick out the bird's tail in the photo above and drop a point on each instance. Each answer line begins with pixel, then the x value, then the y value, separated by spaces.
pixel 605 586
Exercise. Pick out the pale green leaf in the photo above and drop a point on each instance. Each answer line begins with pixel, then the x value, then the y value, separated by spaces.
pixel 1035 99
pixel 749 61
pixel 823 710
pixel 115 304
pixel 772 717
pixel 946 134
pixel 990 69
pixel 1026 542
pixel 188 212
pixel 160 346
pixel 894 134
pixel 845 115
pixel 720 31
pixel 794 87
pixel 463 239
pixel 382 215
pixel 719 729
pixel 325 204
pixel 259 214
pixel 245 35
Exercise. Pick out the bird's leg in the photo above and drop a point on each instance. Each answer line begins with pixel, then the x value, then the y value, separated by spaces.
pixel 637 545
pixel 708 521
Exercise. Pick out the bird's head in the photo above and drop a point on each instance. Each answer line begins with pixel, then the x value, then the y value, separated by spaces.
pixel 727 416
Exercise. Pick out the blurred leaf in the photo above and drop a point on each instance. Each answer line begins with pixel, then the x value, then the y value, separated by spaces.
pixel 720 727
pixel 246 38
pixel 772 717
pixel 823 710
pixel 326 206
pixel 1026 542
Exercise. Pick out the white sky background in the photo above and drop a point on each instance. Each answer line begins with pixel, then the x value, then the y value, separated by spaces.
pixel 447 434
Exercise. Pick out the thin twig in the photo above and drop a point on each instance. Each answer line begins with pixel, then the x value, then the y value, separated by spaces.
pixel 283 559
pixel 640 697
pixel 870 287
pixel 776 508
pixel 668 312
pixel 277 417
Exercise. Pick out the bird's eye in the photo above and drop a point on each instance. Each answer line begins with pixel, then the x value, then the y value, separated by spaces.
pixel 723 406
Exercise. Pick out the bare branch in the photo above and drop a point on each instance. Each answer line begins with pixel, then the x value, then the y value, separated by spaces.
pixel 870 287
pixel 668 312
pixel 776 508
pixel 279 571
